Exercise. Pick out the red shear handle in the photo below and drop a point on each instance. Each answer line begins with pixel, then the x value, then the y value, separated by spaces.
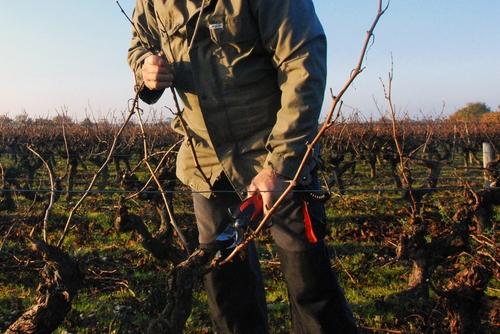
pixel 255 204
pixel 311 237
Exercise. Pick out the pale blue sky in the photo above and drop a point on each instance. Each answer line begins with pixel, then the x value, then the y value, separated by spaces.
pixel 73 53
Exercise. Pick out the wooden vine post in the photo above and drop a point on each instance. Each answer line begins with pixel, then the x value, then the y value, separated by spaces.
pixel 488 156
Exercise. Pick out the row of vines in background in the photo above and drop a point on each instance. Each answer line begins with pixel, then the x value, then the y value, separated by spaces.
pixel 454 257
pixel 85 144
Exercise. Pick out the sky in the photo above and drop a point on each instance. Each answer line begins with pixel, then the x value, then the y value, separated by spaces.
pixel 71 55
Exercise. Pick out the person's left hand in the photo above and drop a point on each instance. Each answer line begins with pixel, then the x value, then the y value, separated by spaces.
pixel 270 186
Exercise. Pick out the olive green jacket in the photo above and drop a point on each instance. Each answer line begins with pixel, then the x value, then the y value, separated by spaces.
pixel 251 80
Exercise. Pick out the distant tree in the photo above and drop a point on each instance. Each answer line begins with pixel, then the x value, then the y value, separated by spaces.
pixel 23 118
pixel 42 121
pixel 471 112
pixel 4 120
pixel 87 122
pixel 62 118
pixel 491 117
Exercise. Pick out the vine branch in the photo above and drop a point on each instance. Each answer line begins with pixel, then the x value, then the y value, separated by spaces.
pixel 158 184
pixel 329 121
pixel 99 171
pixel 52 193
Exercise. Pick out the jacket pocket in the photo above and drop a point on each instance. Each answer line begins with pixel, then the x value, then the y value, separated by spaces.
pixel 232 30
pixel 240 29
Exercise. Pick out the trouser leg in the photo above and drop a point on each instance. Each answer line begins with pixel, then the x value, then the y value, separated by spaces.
pixel 235 292
pixel 317 302
pixel 236 296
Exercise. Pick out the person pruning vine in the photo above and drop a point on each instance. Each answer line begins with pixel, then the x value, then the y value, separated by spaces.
pixel 251 75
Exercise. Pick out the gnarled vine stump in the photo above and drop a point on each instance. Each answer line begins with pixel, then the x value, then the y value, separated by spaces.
pixel 61 280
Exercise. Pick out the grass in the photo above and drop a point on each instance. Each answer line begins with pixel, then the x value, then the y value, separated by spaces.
pixel 125 285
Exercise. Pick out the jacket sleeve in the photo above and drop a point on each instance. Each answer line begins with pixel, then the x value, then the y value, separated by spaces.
pixel 292 34
pixel 145 41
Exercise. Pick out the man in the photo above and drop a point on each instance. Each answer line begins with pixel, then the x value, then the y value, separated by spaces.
pixel 251 75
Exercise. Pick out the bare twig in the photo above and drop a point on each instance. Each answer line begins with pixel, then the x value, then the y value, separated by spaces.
pixel 178 108
pixel 52 193
pixel 329 121
pixel 66 146
pixel 353 280
pixel 164 155
pixel 491 257
pixel 403 161
pixel 158 184
pixel 189 139
pixel 383 330
pixel 163 158
pixel 7 236
pixel 197 25
pixel 483 240
pixel 146 44
pixel 99 171
pixel 148 47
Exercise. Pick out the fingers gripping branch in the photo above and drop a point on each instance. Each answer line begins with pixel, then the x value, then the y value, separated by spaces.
pixel 157 73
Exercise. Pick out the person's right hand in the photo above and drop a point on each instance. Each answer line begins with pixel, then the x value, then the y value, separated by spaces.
pixel 157 73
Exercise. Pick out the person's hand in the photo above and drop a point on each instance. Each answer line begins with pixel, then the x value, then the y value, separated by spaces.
pixel 270 186
pixel 157 73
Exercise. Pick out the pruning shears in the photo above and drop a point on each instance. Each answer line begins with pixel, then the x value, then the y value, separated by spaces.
pixel 244 217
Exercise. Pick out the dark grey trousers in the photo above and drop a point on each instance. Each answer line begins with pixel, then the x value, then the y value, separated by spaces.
pixel 236 293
